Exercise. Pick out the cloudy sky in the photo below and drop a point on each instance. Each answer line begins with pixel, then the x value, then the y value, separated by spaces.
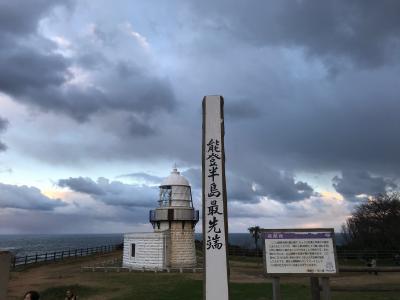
pixel 99 99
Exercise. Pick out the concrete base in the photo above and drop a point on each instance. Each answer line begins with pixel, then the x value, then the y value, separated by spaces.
pixel 5 262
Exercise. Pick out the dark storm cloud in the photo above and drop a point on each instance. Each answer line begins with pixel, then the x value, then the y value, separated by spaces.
pixel 113 193
pixel 24 197
pixel 32 73
pixel 279 186
pixel 138 127
pixel 81 185
pixel 239 189
pixel 194 177
pixel 282 186
pixel 20 67
pixel 21 17
pixel 241 110
pixel 3 126
pixel 349 123
pixel 357 183
pixel 363 32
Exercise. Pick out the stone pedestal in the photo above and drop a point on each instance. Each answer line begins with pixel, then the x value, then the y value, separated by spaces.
pixel 5 261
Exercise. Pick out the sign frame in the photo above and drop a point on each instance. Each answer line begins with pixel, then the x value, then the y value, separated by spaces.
pixel 299 230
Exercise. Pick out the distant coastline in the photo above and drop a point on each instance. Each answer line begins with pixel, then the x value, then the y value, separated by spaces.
pixel 28 244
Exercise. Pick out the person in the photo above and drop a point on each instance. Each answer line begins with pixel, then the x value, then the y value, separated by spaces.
pixel 70 295
pixel 397 259
pixel 372 264
pixel 32 295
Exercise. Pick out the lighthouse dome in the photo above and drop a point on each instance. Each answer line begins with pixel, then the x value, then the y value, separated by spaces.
pixel 175 178
pixel 175 191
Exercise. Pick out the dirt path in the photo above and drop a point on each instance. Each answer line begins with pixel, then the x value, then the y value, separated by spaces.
pixel 67 272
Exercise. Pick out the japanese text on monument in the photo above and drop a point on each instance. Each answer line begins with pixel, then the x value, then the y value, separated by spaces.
pixel 213 158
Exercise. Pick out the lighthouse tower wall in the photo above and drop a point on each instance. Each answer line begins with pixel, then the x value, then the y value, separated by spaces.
pixel 183 251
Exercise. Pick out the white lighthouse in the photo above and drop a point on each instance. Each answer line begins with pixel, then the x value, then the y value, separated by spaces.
pixel 171 245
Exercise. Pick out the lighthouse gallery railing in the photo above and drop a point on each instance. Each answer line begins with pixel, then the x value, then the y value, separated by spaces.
pixel 172 214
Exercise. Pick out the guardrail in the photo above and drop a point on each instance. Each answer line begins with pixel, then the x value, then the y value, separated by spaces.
pixel 60 255
pixel 368 254
pixel 353 254
pixel 365 255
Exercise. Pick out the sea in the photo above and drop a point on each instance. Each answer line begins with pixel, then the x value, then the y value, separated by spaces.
pixel 31 244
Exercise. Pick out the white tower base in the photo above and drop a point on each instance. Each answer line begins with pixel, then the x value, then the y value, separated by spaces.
pixel 146 250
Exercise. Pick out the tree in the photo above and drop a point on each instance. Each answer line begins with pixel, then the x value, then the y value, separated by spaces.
pixel 255 233
pixel 375 224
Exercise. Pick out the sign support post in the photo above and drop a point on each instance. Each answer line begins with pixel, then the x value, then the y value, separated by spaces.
pixel 215 220
pixel 5 262
pixel 326 290
pixel 315 292
pixel 276 288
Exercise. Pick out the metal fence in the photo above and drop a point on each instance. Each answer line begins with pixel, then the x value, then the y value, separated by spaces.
pixel 60 255
pixel 368 254
pixel 342 254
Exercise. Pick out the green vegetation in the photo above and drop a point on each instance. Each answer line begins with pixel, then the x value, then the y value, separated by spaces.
pixel 374 225
pixel 150 286
pixel 59 292
pixel 255 232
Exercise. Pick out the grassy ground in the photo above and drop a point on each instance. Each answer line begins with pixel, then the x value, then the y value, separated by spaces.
pixel 247 283
pixel 177 287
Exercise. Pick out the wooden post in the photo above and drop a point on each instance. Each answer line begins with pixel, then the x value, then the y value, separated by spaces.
pixel 326 290
pixel 315 291
pixel 276 289
pixel 5 262
pixel 36 258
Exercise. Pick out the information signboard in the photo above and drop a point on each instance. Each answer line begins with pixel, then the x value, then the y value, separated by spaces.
pixel 299 251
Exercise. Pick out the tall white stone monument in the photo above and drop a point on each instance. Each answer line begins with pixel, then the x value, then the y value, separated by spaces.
pixel 171 245
pixel 215 217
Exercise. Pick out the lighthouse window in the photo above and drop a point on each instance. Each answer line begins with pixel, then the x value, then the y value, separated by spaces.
pixel 165 195
pixel 133 250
